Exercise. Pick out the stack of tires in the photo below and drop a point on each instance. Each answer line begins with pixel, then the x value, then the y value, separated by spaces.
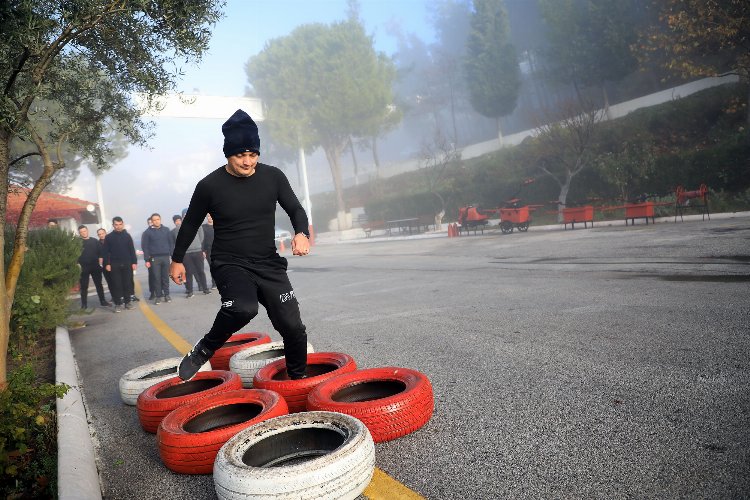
pixel 264 435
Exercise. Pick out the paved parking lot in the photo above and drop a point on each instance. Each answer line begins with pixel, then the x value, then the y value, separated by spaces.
pixel 612 362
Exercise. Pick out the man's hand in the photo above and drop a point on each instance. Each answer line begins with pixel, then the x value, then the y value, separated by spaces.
pixel 177 272
pixel 300 244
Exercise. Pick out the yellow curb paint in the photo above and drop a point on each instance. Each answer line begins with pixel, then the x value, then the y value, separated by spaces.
pixel 382 486
pixel 172 336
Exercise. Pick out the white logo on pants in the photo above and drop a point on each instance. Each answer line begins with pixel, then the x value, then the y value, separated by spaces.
pixel 285 297
pixel 228 303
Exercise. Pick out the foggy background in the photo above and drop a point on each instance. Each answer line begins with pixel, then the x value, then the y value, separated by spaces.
pixel 427 43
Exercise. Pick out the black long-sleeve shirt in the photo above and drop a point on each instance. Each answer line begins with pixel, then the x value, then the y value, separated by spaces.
pixel 243 210
pixel 90 252
pixel 119 248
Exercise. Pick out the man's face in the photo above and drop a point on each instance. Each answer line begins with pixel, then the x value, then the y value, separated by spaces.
pixel 83 232
pixel 119 226
pixel 155 221
pixel 209 219
pixel 178 222
pixel 242 164
pixel 101 234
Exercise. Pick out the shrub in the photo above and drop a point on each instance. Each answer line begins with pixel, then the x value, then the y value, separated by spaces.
pixel 28 436
pixel 49 272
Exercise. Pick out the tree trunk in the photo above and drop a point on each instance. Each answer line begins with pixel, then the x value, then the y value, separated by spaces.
pixel 499 130
pixel 332 155
pixel 375 157
pixel 563 198
pixel 354 161
pixel 4 311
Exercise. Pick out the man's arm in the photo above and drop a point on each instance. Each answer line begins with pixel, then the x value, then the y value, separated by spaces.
pixel 196 212
pixel 133 255
pixel 291 205
pixel 145 246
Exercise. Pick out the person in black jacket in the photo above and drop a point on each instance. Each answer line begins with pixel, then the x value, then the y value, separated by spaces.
pixel 241 196
pixel 157 245
pixel 121 261
pixel 89 262
pixel 101 233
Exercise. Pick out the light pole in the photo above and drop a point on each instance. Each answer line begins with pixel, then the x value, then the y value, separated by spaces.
pixel 306 189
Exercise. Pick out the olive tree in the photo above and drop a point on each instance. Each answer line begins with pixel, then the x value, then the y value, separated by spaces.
pixel 68 73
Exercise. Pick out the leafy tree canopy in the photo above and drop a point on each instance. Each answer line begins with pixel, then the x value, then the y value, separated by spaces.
pixel 590 40
pixel 491 66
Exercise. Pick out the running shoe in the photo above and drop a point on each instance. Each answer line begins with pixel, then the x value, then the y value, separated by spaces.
pixel 193 361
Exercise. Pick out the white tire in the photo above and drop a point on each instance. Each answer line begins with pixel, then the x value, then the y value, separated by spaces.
pixel 310 455
pixel 247 362
pixel 137 380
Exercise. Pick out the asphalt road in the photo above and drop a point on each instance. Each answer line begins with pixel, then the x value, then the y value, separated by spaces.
pixel 608 363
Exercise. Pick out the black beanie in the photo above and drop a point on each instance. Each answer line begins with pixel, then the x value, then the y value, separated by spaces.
pixel 240 134
pixel 175 218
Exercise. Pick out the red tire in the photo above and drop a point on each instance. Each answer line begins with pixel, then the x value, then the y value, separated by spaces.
pixel 235 343
pixel 190 436
pixel 391 402
pixel 157 401
pixel 321 366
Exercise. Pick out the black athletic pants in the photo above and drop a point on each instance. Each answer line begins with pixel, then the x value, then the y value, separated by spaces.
pixel 194 268
pixel 151 280
pixel 242 286
pixel 96 275
pixel 122 283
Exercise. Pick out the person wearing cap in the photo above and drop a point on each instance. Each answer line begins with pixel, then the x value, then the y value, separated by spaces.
pixel 241 197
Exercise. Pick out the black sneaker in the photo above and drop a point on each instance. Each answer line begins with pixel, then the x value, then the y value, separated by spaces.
pixel 167 298
pixel 193 361
pixel 206 292
pixel 157 301
pixel 106 304
pixel 134 298
pixel 189 295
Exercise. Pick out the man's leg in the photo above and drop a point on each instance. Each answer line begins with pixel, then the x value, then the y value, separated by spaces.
pixel 189 272
pixel 84 284
pixel 115 277
pixel 161 274
pixel 239 304
pixel 200 272
pixel 208 259
pixel 152 281
pixel 276 294
pixel 96 276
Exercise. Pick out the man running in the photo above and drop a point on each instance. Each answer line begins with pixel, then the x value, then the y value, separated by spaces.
pixel 241 197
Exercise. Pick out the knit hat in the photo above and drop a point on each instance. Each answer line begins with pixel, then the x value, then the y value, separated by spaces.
pixel 240 134
pixel 175 218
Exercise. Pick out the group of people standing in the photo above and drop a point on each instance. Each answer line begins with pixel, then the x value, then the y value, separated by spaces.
pixel 157 242
pixel 113 257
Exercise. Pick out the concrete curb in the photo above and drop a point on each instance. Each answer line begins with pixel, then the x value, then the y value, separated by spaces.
pixel 77 476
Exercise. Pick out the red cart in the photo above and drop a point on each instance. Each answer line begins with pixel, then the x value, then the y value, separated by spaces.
pixel 515 217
